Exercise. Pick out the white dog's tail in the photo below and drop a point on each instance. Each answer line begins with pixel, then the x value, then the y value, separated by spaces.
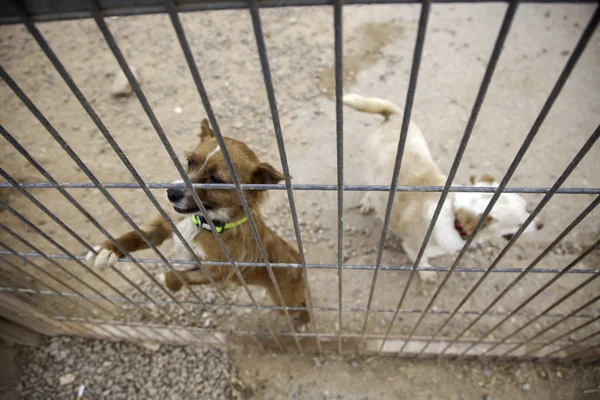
pixel 371 105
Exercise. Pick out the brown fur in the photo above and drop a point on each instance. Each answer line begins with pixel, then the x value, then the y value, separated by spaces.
pixel 469 220
pixel 482 178
pixel 238 240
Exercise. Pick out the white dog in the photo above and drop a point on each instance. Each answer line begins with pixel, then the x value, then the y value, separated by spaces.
pixel 412 211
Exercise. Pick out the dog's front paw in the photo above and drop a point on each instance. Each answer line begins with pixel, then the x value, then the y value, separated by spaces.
pixel 365 206
pixel 428 276
pixel 104 259
pixel 172 282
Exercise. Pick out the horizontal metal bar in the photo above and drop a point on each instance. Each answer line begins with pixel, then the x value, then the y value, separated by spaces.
pixel 325 309
pixel 309 335
pixel 329 266
pixel 307 186
pixel 67 10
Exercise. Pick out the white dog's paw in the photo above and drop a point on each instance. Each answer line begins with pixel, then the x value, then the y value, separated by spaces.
pixel 104 259
pixel 428 276
pixel 366 205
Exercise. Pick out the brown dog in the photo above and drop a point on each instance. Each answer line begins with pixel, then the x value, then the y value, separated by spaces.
pixel 207 165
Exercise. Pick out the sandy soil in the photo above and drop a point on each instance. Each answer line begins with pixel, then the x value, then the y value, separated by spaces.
pixel 378 48
pixel 290 377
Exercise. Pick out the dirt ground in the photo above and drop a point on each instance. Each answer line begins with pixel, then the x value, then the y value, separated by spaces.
pixel 58 367
pixel 378 46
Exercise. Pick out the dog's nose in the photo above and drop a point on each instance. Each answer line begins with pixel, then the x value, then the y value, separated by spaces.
pixel 174 195
pixel 539 224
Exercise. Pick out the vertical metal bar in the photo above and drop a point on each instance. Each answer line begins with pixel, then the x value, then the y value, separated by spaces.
pixel 35 111
pixel 30 225
pixel 33 227
pixel 338 19
pixel 177 26
pixel 109 138
pixel 21 271
pixel 55 184
pixel 566 296
pixel 583 356
pixel 16 185
pixel 541 290
pixel 118 151
pixel 65 327
pixel 551 326
pixel 46 273
pixel 410 95
pixel 543 254
pixel 60 267
pixel 566 173
pixel 487 78
pixel 266 70
pixel 575 355
pixel 566 72
pixel 49 213
pixel 151 116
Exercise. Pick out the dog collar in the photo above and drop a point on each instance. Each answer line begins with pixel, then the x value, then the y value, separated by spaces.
pixel 461 231
pixel 201 222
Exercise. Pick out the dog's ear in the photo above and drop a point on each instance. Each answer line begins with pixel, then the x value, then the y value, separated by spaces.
pixel 266 174
pixel 205 130
pixel 482 178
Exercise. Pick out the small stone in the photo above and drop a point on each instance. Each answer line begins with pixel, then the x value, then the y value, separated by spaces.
pixel 178 110
pixel 526 387
pixel 121 86
pixel 152 346
pixel 66 379
pixel 317 361
pixel 487 397
pixel 355 364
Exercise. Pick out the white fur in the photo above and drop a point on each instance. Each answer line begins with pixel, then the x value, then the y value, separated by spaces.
pixel 371 104
pixel 412 212
pixel 221 215
pixel 104 259
pixel 189 231
pixel 210 154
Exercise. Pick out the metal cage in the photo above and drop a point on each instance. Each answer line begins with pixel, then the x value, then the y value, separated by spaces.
pixel 88 310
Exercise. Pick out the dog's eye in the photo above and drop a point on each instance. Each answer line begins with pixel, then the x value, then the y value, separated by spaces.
pixel 214 178
pixel 189 163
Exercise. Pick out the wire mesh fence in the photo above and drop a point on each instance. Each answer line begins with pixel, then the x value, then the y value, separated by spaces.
pixel 52 288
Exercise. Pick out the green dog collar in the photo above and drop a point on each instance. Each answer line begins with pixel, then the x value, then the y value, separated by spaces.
pixel 201 223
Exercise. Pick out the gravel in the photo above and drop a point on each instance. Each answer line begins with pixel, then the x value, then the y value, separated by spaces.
pixel 118 370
